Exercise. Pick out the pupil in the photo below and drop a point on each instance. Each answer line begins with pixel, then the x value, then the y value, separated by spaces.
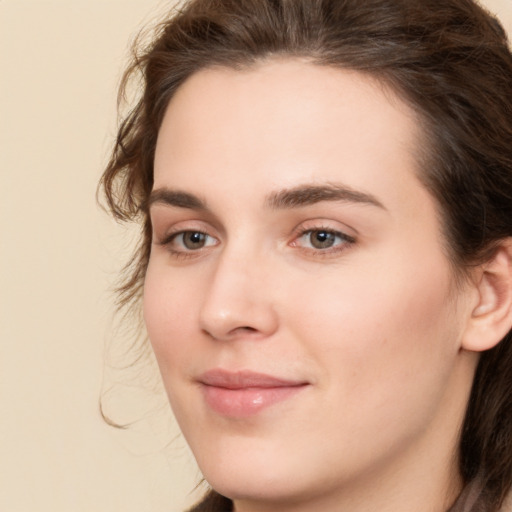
pixel 322 239
pixel 194 240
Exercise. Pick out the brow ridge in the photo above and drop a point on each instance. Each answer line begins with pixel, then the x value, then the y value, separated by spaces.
pixel 177 198
pixel 288 198
pixel 305 195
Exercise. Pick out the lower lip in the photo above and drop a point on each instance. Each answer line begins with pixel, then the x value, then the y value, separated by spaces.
pixel 247 401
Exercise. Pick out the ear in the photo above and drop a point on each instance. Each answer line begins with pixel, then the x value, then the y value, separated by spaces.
pixel 491 316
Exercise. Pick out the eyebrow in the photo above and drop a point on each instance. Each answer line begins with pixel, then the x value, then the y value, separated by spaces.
pixel 305 195
pixel 177 198
pixel 289 198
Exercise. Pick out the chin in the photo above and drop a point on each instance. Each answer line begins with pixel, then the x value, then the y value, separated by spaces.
pixel 255 486
pixel 252 473
pixel 261 472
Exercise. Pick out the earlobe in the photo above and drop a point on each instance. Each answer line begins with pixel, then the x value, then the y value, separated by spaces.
pixel 491 318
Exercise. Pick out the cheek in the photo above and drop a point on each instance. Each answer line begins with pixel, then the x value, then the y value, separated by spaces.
pixel 168 316
pixel 385 346
pixel 382 331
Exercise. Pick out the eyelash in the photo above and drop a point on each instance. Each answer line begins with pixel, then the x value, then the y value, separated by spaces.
pixel 344 241
pixel 183 253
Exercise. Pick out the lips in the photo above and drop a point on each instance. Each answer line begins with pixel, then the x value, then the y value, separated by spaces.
pixel 245 393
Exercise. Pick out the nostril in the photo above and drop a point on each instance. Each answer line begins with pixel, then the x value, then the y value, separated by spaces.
pixel 228 317
pixel 244 329
pixel 233 332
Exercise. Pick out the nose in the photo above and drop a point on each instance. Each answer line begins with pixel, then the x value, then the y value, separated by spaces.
pixel 238 301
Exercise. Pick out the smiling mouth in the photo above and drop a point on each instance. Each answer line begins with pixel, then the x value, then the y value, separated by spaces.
pixel 246 393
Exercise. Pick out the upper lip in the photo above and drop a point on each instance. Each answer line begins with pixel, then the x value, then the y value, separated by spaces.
pixel 245 379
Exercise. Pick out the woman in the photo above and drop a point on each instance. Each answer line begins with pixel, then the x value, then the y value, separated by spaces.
pixel 326 193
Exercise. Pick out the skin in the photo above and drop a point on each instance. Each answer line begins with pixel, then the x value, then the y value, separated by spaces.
pixel 374 324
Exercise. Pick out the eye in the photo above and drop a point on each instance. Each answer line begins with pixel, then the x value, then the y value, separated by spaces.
pixel 185 241
pixel 323 239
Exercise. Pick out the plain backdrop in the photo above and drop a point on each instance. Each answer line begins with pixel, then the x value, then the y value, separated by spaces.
pixel 60 64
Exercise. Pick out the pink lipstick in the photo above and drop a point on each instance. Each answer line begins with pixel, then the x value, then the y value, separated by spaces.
pixel 245 393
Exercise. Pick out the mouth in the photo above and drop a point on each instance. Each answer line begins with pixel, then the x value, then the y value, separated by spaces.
pixel 245 393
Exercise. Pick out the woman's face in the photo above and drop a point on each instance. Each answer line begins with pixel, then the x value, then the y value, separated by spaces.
pixel 298 299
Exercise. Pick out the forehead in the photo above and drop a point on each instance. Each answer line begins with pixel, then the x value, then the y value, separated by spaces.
pixel 282 122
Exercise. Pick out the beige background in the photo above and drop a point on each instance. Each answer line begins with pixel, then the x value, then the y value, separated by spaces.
pixel 60 62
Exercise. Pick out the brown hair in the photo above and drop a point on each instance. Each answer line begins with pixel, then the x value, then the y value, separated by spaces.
pixel 448 59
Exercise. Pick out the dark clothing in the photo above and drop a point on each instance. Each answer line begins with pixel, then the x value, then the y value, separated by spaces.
pixel 213 502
